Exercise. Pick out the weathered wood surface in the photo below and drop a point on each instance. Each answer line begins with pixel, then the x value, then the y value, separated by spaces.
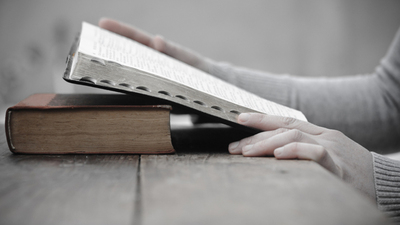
pixel 222 189
pixel 66 189
pixel 194 186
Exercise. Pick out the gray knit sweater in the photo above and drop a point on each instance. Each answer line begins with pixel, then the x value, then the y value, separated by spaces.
pixel 365 107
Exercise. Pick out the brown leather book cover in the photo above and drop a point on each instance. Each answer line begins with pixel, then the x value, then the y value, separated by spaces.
pixel 88 124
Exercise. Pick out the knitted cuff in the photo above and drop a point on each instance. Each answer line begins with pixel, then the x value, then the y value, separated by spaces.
pixel 387 185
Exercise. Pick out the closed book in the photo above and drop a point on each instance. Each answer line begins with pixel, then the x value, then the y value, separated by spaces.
pixel 88 124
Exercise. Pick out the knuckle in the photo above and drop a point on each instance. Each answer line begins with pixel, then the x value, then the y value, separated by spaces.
pixel 260 119
pixel 288 121
pixel 321 154
pixel 247 141
pixel 334 134
pixel 159 43
pixel 296 135
pixel 281 130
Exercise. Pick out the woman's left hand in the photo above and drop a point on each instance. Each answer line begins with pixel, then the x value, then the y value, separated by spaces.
pixel 288 138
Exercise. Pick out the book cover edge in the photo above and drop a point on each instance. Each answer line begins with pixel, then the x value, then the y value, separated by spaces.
pixel 48 97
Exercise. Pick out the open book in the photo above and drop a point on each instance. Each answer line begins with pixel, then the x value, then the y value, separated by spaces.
pixel 107 60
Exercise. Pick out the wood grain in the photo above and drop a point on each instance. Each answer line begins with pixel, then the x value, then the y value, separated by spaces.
pixel 66 189
pixel 199 187
pixel 228 189
pixel 194 186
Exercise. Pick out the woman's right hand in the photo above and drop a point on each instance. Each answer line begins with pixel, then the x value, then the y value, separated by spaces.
pixel 156 42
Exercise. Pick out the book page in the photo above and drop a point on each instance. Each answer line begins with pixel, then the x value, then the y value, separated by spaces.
pixel 113 47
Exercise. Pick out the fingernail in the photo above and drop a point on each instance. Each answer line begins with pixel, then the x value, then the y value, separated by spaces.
pixel 243 117
pixel 232 146
pixel 247 148
pixel 278 151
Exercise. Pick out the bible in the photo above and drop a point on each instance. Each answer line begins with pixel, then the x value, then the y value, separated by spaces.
pixel 88 124
pixel 102 59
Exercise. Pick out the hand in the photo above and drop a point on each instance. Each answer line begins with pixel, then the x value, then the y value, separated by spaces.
pixel 288 138
pixel 156 42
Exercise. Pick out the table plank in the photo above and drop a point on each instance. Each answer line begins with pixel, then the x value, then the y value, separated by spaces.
pixel 67 189
pixel 201 184
pixel 196 187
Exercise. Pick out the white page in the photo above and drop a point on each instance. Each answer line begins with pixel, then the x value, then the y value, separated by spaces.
pixel 112 47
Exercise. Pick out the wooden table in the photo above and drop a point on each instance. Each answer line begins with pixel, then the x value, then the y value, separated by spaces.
pixel 201 184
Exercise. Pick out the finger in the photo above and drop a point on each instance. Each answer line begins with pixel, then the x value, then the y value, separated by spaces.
pixel 307 151
pixel 157 42
pixel 236 147
pixel 268 122
pixel 267 146
pixel 126 30
pixel 181 53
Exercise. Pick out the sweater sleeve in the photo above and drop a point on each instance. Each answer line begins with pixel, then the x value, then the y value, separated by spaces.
pixel 387 185
pixel 365 107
